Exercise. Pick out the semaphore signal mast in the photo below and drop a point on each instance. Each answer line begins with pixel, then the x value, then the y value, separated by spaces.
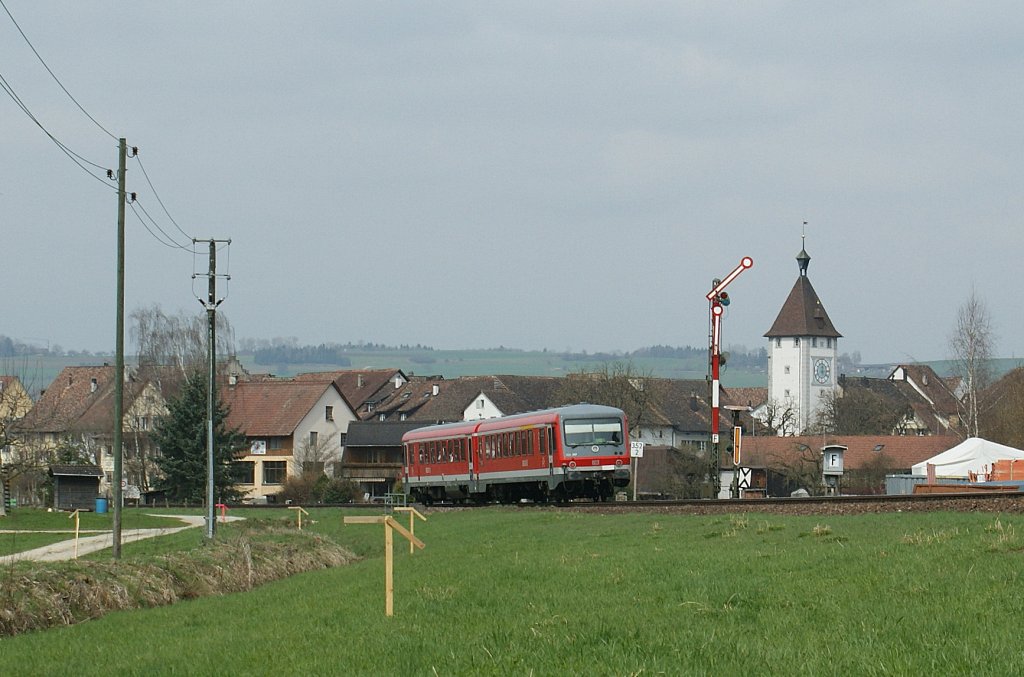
pixel 717 300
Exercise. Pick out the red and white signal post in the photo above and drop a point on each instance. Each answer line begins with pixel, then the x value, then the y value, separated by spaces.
pixel 717 300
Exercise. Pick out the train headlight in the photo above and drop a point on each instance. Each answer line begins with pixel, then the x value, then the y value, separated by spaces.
pixel 618 463
pixel 572 464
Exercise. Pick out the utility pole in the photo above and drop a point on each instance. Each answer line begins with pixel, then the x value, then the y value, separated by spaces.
pixel 122 152
pixel 211 304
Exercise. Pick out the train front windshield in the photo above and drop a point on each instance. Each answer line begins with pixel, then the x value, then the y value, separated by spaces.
pixel 593 431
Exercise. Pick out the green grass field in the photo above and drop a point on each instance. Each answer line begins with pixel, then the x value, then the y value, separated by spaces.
pixel 544 592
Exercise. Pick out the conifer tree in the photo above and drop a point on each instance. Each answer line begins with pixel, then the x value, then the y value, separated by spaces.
pixel 182 439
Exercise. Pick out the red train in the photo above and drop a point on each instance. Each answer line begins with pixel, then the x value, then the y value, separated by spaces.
pixel 579 451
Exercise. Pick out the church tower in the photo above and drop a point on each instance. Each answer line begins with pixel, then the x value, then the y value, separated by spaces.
pixel 802 350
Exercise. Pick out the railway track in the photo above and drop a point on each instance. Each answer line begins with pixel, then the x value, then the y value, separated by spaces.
pixel 988 501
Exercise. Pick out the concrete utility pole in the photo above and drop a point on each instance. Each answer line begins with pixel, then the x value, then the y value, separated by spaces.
pixel 211 304
pixel 122 152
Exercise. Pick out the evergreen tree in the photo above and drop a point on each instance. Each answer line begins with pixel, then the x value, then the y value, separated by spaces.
pixel 182 439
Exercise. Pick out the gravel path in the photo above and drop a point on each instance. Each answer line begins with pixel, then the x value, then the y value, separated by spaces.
pixel 64 550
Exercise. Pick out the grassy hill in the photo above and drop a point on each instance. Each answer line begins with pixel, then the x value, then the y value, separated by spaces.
pixel 38 371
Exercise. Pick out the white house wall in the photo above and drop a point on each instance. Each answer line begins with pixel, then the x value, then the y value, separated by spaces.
pixel 481 407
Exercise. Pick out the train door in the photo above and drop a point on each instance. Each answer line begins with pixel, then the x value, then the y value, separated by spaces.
pixel 474 463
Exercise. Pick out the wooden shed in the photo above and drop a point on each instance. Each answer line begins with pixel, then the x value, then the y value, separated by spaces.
pixel 75 487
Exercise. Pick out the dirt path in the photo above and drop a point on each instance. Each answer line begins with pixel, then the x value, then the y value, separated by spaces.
pixel 64 550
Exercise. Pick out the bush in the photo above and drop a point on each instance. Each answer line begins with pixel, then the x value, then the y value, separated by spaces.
pixel 314 487
pixel 340 491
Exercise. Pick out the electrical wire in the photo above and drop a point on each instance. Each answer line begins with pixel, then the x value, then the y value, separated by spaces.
pixel 75 157
pixel 157 195
pixel 52 74
pixel 166 240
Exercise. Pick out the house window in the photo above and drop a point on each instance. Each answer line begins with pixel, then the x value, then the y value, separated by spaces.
pixel 480 404
pixel 814 342
pixel 313 437
pixel 329 413
pixel 778 343
pixel 787 393
pixel 787 369
pixel 243 472
pixel 341 438
pixel 403 416
pixel 382 417
pixel 274 443
pixel 274 472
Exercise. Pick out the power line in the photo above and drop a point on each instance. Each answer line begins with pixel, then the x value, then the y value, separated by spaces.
pixel 157 195
pixel 75 157
pixel 166 240
pixel 52 74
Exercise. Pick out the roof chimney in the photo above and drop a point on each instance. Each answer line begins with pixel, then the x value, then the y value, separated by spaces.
pixel 359 380
pixel 435 389
pixel 93 385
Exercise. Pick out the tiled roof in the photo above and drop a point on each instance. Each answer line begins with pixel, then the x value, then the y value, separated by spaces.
pixel 359 385
pixel 73 403
pixel 272 408
pixel 745 397
pixel 511 394
pixel 901 394
pixel 802 314
pixel 374 434
pixel 76 471
pixel 898 452
pixel 68 397
pixel 681 403
pixel 925 381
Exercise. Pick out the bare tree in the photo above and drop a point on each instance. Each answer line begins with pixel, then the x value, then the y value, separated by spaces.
pixel 971 344
pixel 176 340
pixel 616 385
pixel 314 457
pixel 859 411
pixel 780 418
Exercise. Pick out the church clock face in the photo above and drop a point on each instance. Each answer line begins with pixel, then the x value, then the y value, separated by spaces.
pixel 822 371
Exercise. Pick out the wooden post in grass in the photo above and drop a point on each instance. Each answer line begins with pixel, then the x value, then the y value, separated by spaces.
pixel 75 515
pixel 390 525
pixel 413 514
pixel 299 513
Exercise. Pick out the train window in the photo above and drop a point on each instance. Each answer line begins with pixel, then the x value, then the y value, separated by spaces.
pixel 587 432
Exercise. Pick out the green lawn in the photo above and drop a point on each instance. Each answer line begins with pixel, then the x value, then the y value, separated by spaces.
pixel 543 592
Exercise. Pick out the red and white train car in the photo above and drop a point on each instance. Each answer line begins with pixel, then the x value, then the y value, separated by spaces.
pixel 579 451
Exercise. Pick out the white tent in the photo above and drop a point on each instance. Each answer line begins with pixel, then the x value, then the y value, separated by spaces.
pixel 972 455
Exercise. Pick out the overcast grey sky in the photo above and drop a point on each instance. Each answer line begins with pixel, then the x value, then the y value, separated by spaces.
pixel 527 174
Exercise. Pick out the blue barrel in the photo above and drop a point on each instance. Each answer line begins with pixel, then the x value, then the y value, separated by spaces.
pixel 101 505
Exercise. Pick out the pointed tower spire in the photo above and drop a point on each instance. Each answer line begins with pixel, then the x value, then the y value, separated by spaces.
pixel 803 258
